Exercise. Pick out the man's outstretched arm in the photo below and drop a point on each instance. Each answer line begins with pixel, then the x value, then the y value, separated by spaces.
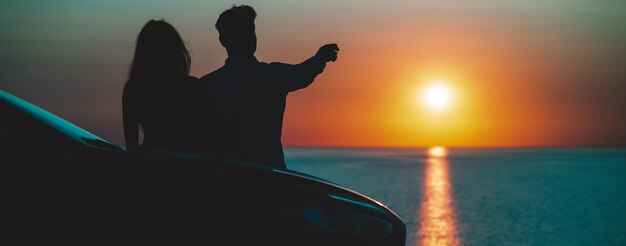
pixel 299 76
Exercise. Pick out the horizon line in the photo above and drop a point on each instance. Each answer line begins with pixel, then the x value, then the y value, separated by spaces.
pixel 616 146
pixel 456 146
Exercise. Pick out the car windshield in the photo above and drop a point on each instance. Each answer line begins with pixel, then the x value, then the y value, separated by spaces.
pixel 57 123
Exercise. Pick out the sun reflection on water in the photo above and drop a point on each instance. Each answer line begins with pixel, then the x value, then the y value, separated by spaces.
pixel 438 221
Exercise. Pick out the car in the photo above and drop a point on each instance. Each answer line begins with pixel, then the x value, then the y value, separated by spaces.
pixel 66 185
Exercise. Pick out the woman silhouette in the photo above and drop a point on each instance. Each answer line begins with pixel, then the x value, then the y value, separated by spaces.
pixel 160 97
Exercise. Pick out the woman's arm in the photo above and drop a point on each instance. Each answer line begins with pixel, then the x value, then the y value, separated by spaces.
pixel 131 124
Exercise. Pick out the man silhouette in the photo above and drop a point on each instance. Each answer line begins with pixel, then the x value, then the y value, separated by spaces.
pixel 247 97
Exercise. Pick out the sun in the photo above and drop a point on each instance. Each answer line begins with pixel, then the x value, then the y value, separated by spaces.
pixel 437 95
pixel 437 151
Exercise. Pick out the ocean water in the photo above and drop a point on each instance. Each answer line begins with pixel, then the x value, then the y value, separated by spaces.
pixel 526 196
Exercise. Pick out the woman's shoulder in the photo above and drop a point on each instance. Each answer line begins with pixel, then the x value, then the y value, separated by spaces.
pixel 130 87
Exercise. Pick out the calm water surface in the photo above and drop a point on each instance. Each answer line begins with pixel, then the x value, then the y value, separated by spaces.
pixel 486 196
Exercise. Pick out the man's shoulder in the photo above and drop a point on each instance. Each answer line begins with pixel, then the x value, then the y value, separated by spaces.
pixel 278 67
pixel 212 76
pixel 275 64
pixel 191 79
pixel 191 82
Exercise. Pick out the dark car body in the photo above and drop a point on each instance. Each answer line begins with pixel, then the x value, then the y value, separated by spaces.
pixel 66 185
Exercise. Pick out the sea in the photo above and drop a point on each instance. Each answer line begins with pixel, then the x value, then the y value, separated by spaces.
pixel 486 196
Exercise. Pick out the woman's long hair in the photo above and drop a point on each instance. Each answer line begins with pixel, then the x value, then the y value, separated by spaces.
pixel 159 53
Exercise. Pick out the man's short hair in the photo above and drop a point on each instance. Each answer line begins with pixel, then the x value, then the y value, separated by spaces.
pixel 237 19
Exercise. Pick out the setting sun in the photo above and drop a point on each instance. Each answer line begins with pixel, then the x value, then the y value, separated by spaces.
pixel 437 96
pixel 437 151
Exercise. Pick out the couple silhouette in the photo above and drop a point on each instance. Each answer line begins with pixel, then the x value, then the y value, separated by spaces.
pixel 235 111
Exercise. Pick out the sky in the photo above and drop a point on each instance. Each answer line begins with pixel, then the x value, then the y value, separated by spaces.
pixel 519 72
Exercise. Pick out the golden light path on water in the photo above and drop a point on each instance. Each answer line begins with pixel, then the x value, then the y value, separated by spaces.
pixel 437 216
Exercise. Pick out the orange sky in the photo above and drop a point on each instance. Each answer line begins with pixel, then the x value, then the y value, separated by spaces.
pixel 522 74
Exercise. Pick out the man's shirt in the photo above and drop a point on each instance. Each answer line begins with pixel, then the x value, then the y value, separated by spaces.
pixel 247 103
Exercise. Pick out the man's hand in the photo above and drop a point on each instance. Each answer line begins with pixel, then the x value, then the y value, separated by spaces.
pixel 328 52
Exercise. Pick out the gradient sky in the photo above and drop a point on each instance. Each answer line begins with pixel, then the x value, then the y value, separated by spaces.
pixel 523 73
